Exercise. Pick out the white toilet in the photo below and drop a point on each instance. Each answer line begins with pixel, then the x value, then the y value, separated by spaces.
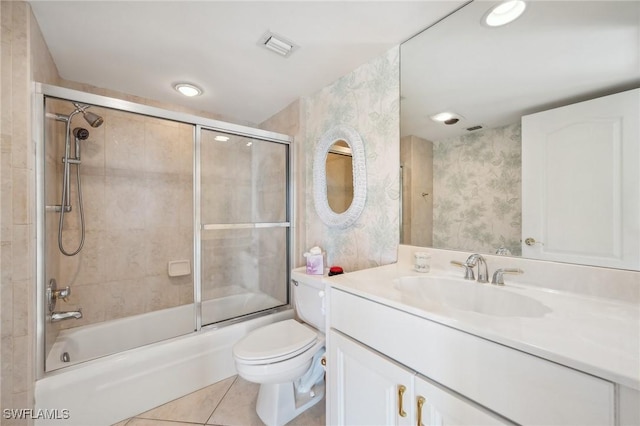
pixel 285 357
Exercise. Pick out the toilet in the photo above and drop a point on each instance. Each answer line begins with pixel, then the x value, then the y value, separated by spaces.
pixel 285 358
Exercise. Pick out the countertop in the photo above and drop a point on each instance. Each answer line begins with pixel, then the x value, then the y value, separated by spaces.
pixel 597 336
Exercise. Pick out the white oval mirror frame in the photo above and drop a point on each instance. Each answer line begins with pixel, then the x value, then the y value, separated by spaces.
pixel 327 215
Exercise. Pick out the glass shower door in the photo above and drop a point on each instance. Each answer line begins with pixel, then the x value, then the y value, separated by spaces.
pixel 245 225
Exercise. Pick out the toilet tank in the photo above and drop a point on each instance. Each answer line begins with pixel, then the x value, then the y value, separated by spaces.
pixel 309 298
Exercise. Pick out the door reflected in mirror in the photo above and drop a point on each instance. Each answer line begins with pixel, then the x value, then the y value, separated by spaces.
pixel 339 168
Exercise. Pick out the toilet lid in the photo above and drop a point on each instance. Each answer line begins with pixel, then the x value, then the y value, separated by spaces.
pixel 275 340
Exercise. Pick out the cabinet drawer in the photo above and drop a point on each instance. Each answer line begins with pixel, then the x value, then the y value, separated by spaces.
pixel 521 387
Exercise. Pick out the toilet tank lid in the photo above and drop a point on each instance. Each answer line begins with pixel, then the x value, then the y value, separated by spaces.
pixel 275 340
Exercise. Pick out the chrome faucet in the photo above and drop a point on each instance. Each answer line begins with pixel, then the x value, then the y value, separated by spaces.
pixel 483 272
pixel 59 316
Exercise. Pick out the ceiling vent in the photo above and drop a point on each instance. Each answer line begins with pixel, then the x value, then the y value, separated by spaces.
pixel 277 44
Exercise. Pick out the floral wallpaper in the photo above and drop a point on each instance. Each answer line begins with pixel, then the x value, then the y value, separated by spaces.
pixel 477 191
pixel 367 99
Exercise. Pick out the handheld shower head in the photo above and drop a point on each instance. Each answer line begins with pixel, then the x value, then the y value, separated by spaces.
pixel 81 133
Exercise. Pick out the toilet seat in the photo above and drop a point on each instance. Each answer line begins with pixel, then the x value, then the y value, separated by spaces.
pixel 275 342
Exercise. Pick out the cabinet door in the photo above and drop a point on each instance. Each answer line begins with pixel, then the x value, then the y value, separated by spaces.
pixel 365 387
pixel 580 174
pixel 436 406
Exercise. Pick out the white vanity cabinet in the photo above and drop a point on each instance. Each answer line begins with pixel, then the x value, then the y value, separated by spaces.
pixel 371 389
pixel 465 379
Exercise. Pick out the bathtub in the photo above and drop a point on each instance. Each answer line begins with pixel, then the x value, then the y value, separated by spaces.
pixel 92 341
pixel 112 388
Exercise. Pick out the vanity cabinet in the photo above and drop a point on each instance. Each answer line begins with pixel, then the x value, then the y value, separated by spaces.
pixel 374 347
pixel 371 389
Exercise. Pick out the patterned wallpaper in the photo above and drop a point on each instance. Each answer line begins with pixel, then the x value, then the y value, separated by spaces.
pixel 367 99
pixel 477 191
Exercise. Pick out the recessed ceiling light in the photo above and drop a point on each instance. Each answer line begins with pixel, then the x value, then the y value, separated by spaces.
pixel 446 117
pixel 188 89
pixel 504 12
pixel 221 138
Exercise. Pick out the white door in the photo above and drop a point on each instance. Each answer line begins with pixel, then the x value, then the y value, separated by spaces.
pixel 436 406
pixel 366 388
pixel 581 184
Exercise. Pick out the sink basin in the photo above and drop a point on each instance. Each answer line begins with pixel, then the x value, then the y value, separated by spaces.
pixel 431 292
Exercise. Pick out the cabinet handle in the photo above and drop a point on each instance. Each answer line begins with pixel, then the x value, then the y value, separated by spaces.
pixel 401 390
pixel 421 402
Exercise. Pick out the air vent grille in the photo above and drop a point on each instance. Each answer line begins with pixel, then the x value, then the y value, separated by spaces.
pixel 277 44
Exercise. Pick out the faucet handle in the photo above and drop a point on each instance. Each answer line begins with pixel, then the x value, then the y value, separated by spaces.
pixel 468 269
pixel 497 275
pixel 63 293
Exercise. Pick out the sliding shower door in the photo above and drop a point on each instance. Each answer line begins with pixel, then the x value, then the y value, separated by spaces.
pixel 129 190
pixel 244 217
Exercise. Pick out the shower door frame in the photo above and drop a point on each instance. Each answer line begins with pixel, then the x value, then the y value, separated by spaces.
pixel 42 91
pixel 197 166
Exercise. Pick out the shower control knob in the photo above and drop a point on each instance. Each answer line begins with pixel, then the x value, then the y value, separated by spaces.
pixel 63 294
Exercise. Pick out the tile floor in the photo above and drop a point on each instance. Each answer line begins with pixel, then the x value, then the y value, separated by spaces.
pixel 231 402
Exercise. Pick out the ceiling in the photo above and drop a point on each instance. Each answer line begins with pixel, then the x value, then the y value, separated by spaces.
pixel 143 48
pixel 556 53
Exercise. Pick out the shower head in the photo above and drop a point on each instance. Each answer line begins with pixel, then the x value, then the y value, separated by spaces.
pixel 94 120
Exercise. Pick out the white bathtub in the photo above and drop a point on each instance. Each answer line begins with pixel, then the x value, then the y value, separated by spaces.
pixel 96 340
pixel 115 387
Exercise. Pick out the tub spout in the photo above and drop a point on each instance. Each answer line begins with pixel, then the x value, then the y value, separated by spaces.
pixel 59 316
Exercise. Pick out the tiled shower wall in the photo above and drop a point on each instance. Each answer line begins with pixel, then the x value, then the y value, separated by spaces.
pixel 23 58
pixel 137 181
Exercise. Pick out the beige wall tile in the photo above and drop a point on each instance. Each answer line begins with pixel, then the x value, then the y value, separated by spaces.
pixel 162 148
pixel 21 192
pixel 21 308
pixel 6 372
pixel 161 203
pixel 125 202
pixel 20 362
pixel 124 254
pixel 165 244
pixel 124 144
pixel 6 313
pixel 21 259
pixel 89 266
pixel 6 191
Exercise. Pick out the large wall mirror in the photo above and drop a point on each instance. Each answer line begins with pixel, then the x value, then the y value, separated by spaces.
pixel 463 178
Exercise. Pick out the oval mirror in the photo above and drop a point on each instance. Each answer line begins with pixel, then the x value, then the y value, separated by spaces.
pixel 339 177
pixel 339 169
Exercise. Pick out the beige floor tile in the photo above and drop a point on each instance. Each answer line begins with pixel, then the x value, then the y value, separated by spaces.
pixel 151 422
pixel 238 408
pixel 314 416
pixel 195 407
pixel 122 423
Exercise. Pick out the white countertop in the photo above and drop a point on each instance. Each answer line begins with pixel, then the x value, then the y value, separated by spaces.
pixel 597 336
